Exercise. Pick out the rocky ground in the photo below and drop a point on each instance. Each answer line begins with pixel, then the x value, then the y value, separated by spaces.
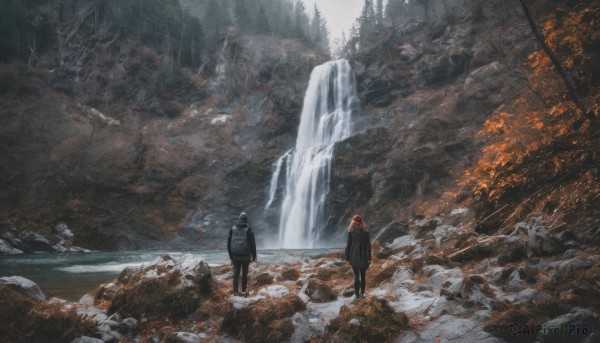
pixel 439 282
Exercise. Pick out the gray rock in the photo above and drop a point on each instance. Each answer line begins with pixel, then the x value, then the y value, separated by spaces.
pixel 403 277
pixel 37 242
pixel 483 74
pixel 93 313
pixel 515 282
pixel 30 287
pixel 14 241
pixel 302 330
pixel 87 300
pixel 318 292
pixel 7 249
pixel 578 317
pixel 62 230
pixel 573 264
pixel 86 339
pixel 130 322
pixel 186 337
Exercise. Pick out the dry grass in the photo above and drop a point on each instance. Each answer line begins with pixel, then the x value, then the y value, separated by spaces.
pixel 264 321
pixel 157 297
pixel 377 322
pixel 24 319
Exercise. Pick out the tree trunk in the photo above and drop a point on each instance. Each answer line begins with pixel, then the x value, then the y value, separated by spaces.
pixel 563 73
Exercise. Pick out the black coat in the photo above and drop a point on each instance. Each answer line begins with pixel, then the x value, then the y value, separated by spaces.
pixel 358 248
pixel 251 256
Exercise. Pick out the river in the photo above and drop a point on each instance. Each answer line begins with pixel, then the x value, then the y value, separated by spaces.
pixel 70 276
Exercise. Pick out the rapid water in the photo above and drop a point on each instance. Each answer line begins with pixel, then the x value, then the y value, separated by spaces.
pixel 329 104
pixel 70 276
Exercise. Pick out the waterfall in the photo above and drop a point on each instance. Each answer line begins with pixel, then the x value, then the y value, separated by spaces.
pixel 326 118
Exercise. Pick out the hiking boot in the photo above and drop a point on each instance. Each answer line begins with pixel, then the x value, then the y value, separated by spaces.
pixel 244 294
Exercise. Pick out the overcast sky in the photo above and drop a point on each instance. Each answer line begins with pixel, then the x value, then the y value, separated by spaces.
pixel 340 14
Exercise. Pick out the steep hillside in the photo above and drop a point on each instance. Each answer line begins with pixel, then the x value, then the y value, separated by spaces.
pixel 124 138
pixel 467 111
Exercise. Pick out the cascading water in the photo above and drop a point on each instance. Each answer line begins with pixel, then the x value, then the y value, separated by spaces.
pixel 326 118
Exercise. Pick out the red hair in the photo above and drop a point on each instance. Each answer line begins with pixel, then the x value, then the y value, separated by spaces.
pixel 358 220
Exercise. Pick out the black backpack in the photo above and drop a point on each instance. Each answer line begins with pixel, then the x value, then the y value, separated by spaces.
pixel 239 241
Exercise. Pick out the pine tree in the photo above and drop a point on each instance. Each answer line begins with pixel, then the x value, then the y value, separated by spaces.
pixel 318 31
pixel 379 14
pixel 366 23
pixel 242 15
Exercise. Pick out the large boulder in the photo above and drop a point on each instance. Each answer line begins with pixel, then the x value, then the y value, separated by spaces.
pixel 168 286
pixel 7 249
pixel 318 292
pixel 29 287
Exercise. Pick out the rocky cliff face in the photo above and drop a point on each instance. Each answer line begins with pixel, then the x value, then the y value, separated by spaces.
pixel 129 149
pixel 426 89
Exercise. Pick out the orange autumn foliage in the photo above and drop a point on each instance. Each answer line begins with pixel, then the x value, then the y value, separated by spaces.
pixel 529 145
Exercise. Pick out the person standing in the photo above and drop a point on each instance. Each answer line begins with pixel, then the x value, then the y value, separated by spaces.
pixel 241 247
pixel 358 253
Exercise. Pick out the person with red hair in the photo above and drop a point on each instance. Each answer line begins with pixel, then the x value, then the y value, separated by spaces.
pixel 358 253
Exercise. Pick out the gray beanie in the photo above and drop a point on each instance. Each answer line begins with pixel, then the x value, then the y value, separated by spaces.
pixel 243 217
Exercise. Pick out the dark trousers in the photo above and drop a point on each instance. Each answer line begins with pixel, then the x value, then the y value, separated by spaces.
pixel 359 280
pixel 236 274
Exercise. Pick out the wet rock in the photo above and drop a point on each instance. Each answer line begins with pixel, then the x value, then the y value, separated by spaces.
pixel 15 242
pixel 318 292
pixel 401 242
pixel 7 249
pixel 302 330
pixel 275 291
pixel 28 286
pixel 86 339
pixel 37 242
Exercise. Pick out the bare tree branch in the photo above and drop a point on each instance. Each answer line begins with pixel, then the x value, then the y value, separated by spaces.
pixel 563 73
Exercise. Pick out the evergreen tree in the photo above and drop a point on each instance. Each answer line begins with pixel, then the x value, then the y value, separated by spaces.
pixel 242 15
pixel 262 25
pixel 318 31
pixel 367 27
pixel 301 22
pixel 379 13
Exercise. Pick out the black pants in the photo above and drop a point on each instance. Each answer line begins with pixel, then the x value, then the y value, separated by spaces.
pixel 359 280
pixel 236 274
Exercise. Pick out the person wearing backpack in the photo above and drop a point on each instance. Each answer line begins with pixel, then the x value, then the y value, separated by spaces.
pixel 242 250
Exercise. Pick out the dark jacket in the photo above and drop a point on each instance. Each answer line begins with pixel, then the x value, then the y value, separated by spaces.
pixel 251 256
pixel 358 248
